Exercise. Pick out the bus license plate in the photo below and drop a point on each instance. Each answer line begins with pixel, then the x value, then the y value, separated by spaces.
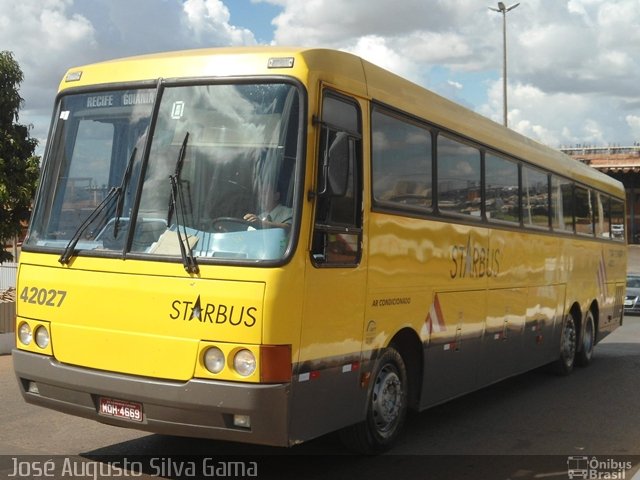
pixel 121 409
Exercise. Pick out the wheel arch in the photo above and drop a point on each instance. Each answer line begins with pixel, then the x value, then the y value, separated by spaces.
pixel 409 346
pixel 594 308
pixel 587 335
pixel 576 312
pixel 579 319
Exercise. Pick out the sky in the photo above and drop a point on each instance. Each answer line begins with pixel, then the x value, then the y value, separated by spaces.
pixel 573 65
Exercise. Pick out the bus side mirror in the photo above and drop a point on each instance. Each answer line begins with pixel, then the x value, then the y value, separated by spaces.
pixel 338 164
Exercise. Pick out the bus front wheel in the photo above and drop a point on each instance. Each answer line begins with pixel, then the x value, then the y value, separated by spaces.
pixel 386 407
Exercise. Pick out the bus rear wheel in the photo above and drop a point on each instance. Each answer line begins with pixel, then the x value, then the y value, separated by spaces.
pixel 588 341
pixel 568 346
pixel 386 407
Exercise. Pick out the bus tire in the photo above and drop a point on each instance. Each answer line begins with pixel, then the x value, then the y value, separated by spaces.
pixel 386 407
pixel 568 345
pixel 587 341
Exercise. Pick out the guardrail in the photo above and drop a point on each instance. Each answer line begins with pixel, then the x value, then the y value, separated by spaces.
pixel 7 327
pixel 7 317
pixel 8 272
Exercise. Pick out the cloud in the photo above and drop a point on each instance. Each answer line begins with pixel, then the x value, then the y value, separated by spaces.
pixel 575 119
pixel 209 21
pixel 377 50
pixel 634 124
pixel 572 63
pixel 589 48
pixel 50 36
pixel 42 35
pixel 44 38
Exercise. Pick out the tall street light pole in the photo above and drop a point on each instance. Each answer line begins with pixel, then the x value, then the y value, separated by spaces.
pixel 502 9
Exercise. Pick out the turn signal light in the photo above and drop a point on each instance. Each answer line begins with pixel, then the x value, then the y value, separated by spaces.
pixel 275 363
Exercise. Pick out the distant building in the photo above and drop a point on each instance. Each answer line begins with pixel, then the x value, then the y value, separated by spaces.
pixel 621 163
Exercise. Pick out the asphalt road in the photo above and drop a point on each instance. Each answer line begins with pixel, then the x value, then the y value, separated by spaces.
pixel 535 425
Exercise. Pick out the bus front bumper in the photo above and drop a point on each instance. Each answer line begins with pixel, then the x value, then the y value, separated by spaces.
pixel 195 408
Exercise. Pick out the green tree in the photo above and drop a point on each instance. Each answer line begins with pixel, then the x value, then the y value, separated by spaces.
pixel 19 167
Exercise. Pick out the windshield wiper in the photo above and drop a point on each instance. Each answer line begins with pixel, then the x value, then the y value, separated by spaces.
pixel 126 178
pixel 177 205
pixel 114 192
pixel 75 238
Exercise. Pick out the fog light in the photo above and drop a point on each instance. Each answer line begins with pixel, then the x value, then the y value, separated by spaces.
pixel 214 360
pixel 42 337
pixel 24 333
pixel 244 362
pixel 33 388
pixel 242 421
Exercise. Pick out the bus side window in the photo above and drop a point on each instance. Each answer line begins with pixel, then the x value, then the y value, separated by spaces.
pixel 338 219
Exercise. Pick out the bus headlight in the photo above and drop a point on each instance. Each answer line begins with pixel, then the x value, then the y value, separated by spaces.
pixel 244 363
pixel 24 333
pixel 42 337
pixel 214 360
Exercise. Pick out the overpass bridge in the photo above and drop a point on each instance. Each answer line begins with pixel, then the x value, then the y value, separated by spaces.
pixel 621 163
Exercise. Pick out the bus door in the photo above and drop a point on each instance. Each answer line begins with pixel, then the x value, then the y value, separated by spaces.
pixel 326 390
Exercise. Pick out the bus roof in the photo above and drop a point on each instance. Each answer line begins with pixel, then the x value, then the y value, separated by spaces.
pixel 352 73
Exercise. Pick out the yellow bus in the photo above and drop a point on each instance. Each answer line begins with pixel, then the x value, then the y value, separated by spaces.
pixel 265 245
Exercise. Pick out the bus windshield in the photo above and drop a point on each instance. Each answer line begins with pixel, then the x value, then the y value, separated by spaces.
pixel 212 175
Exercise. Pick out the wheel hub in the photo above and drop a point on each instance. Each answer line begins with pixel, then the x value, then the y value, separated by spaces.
pixel 387 399
pixel 569 343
